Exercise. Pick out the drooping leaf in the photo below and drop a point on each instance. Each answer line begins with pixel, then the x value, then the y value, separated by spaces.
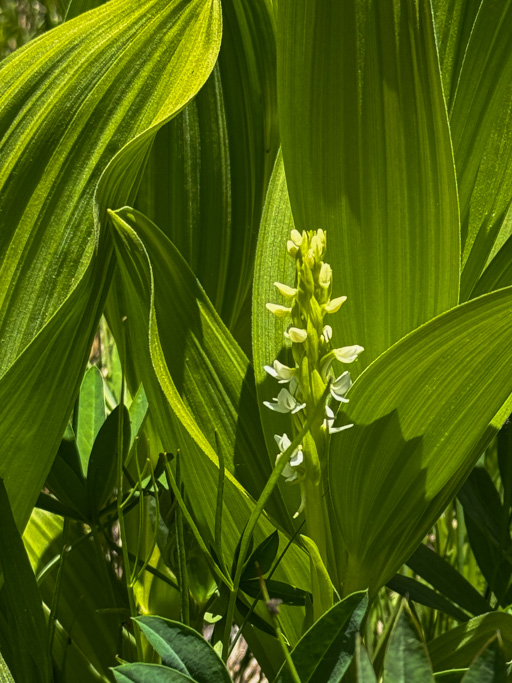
pixel 173 418
pixel 325 651
pixel 183 649
pixel 367 153
pixel 458 647
pixel 422 413
pixel 418 592
pixel 490 666
pixel 447 580
pixel 70 103
pixel 406 656
pixel 21 603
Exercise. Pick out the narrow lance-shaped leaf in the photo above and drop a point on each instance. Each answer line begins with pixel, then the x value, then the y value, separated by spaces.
pixel 70 103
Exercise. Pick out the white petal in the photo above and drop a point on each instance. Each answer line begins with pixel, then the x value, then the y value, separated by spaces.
pixel 296 237
pixel 348 354
pixel 334 304
pixel 270 371
pixel 335 430
pixel 283 371
pixel 278 310
pixel 325 275
pixel 297 335
pixel 285 290
pixel 292 248
pixel 327 333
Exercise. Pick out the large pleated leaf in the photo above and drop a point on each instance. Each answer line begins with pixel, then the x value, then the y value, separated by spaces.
pixel 196 380
pixel 208 171
pixel 79 109
pixel 481 126
pixel 421 415
pixel 367 154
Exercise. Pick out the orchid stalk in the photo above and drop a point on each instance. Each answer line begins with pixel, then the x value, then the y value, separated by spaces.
pixel 307 304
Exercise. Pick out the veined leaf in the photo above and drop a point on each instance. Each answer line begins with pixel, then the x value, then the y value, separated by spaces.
pixel 421 415
pixel 208 171
pixel 407 657
pixel 481 126
pixel 368 158
pixel 70 103
pixel 215 382
pixel 91 413
pixel 458 647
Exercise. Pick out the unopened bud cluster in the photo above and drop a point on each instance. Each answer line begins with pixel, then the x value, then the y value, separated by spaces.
pixel 307 304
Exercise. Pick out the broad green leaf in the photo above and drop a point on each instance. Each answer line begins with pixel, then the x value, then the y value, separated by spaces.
pixel 79 110
pixel 458 647
pixel 406 656
pixel 184 649
pixel 422 413
pixel 367 154
pixel 91 600
pixel 272 265
pixel 325 651
pixel 91 413
pixel 149 673
pixel 210 381
pixel 151 340
pixel 489 667
pixel 21 603
pixel 208 171
pixel 364 668
pixel 481 126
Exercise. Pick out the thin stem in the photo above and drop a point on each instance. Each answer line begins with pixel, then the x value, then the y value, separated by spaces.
pixel 182 559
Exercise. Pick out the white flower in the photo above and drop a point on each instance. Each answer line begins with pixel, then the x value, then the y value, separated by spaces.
pixel 347 354
pixel 296 237
pixel 329 422
pixel 334 304
pixel 326 335
pixel 297 457
pixel 278 310
pixel 285 290
pixel 281 372
pixel 325 275
pixel 296 334
pixel 340 386
pixel 285 403
pixel 292 248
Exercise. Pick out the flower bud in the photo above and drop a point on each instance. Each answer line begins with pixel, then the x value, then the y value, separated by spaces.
pixel 325 276
pixel 296 237
pixel 296 334
pixel 292 248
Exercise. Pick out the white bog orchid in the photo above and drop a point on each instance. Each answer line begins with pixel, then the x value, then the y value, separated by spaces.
pixel 329 421
pixel 289 472
pixel 340 386
pixel 285 403
pixel 281 372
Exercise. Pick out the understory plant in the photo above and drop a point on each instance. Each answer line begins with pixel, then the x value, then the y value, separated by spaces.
pixel 255 340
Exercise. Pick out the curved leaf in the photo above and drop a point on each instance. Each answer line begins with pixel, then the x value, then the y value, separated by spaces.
pixel 70 103
pixel 421 415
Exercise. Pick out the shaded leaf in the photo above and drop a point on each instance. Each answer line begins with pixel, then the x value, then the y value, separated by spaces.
pixel 490 666
pixel 406 656
pixel 91 413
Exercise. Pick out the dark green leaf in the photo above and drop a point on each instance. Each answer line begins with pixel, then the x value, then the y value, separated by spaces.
pixel 490 666
pixel 27 622
pixel 407 657
pixel 184 649
pixel 290 595
pixel 264 555
pixel 325 651
pixel 364 668
pixel 149 673
pixel 102 469
pixel 447 580
pixel 418 592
